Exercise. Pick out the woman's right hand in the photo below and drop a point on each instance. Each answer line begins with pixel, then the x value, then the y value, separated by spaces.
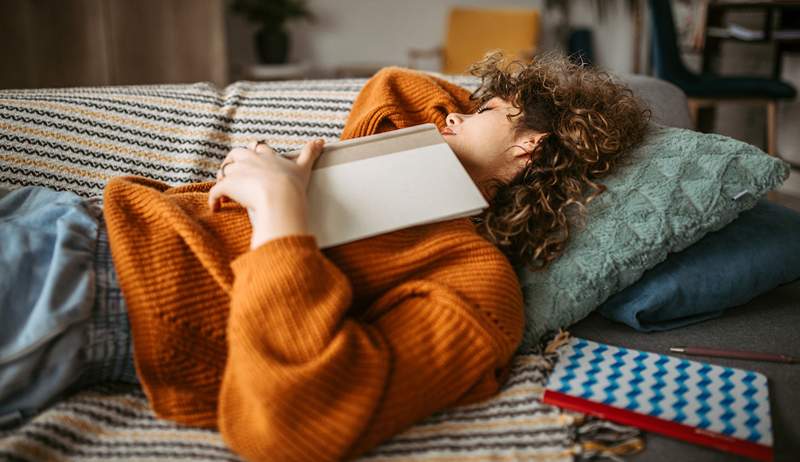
pixel 272 187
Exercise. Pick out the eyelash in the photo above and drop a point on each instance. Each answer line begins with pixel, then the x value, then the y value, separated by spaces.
pixel 481 109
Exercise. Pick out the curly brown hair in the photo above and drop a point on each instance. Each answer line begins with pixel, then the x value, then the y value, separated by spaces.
pixel 590 120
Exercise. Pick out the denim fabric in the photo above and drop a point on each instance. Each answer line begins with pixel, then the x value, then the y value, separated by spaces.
pixel 47 289
pixel 757 252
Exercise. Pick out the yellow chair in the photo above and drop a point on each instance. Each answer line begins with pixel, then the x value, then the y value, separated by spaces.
pixel 471 32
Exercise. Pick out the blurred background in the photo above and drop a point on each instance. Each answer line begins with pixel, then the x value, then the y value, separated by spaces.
pixel 64 43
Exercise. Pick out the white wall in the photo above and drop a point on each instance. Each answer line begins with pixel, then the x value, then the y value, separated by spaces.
pixel 377 31
pixel 380 32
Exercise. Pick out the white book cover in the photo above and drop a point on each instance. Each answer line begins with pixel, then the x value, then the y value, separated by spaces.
pixel 376 184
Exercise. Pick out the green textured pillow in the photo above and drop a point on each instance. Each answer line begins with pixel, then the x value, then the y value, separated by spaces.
pixel 675 187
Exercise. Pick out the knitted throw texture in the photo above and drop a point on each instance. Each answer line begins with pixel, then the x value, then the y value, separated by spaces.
pixel 299 354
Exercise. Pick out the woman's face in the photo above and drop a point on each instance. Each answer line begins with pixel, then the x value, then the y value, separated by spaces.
pixel 485 141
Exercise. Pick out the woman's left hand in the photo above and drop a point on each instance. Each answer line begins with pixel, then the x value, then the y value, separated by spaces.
pixel 271 186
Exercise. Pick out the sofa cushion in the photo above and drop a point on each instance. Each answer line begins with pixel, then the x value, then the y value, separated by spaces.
pixel 668 193
pixel 757 252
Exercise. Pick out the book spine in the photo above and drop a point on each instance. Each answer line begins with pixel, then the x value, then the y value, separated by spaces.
pixel 658 425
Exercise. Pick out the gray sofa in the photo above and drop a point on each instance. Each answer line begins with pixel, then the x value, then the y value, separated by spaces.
pixel 770 322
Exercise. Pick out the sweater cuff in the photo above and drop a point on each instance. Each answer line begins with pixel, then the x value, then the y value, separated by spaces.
pixel 275 267
pixel 281 247
pixel 290 285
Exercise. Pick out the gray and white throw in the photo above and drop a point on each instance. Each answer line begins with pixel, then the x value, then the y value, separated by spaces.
pixel 76 139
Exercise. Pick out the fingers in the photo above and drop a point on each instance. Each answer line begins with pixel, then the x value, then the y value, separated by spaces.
pixel 252 159
pixel 215 195
pixel 260 147
pixel 310 153
pixel 238 155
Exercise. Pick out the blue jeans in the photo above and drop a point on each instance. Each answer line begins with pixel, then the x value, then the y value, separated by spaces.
pixel 64 324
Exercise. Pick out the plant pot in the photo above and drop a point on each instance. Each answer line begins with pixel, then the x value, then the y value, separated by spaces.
pixel 272 45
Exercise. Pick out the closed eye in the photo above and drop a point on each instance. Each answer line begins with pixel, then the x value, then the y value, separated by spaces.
pixel 481 109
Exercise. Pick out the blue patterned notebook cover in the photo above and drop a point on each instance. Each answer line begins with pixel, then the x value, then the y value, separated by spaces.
pixel 725 400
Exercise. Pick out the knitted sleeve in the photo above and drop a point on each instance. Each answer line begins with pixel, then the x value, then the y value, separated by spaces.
pixel 306 381
pixel 396 98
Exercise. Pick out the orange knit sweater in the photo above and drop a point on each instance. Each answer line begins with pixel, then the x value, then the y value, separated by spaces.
pixel 299 354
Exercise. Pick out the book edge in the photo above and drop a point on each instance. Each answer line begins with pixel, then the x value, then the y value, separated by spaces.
pixel 696 361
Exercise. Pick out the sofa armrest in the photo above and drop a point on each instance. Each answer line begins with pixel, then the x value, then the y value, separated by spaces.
pixel 667 102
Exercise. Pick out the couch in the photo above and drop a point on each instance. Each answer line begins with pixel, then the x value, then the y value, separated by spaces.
pixel 77 138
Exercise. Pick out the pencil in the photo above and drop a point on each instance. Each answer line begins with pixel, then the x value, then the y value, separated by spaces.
pixel 737 354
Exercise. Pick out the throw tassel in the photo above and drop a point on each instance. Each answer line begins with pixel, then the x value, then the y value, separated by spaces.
pixel 591 450
pixel 607 440
pixel 596 438
pixel 560 339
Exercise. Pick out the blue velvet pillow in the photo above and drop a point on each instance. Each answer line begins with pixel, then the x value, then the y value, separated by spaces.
pixel 755 253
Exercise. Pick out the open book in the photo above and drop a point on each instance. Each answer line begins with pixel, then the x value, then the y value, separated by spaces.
pixel 376 184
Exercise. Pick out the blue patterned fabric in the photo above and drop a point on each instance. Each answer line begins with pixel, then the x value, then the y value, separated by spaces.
pixel 756 253
pixel 109 346
pixel 728 401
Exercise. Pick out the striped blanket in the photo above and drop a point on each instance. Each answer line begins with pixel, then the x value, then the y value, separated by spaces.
pixel 76 139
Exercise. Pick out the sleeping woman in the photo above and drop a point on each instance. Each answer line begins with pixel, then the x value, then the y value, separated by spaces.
pixel 291 352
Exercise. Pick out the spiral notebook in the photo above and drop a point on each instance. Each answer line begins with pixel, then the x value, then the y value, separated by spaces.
pixel 381 183
pixel 721 407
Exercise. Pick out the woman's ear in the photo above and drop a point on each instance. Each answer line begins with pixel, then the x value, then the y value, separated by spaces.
pixel 529 142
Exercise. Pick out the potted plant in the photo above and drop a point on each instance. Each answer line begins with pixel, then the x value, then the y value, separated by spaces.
pixel 272 40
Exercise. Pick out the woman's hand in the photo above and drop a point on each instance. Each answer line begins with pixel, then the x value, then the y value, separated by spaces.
pixel 273 188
